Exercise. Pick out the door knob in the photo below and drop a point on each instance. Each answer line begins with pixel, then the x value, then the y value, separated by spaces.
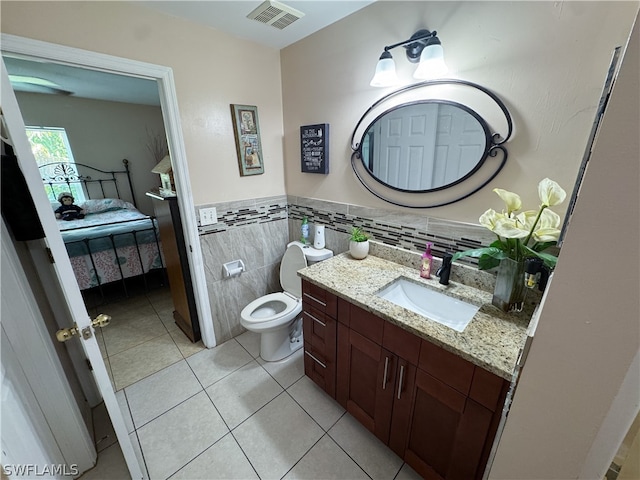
pixel 65 334
pixel 101 320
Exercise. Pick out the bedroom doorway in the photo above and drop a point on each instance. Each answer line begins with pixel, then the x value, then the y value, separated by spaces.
pixel 163 81
pixel 117 259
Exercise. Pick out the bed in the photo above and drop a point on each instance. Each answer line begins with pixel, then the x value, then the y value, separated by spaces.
pixel 114 241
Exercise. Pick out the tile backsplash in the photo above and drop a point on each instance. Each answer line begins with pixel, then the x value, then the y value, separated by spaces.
pixel 399 229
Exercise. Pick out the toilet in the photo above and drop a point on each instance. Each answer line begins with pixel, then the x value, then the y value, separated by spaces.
pixel 277 317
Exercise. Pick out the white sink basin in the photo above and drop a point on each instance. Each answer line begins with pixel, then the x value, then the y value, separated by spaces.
pixel 434 305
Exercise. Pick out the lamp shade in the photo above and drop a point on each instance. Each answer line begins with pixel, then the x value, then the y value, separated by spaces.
pixel 431 63
pixel 385 75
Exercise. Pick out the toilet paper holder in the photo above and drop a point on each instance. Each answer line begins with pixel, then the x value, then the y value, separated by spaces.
pixel 233 269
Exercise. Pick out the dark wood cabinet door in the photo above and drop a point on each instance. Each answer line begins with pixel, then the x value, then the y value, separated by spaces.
pixel 402 402
pixel 366 381
pixel 447 433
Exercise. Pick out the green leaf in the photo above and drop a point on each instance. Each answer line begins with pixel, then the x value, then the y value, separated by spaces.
pixel 470 253
pixel 359 235
pixel 489 257
pixel 499 244
pixel 487 261
pixel 549 260
pixel 540 246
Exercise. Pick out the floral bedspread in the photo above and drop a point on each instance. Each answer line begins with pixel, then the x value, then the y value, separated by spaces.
pixel 107 246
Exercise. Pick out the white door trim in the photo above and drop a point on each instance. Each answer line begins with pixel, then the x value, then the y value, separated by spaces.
pixel 171 115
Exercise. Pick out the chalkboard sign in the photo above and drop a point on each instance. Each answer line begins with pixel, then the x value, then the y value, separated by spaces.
pixel 314 147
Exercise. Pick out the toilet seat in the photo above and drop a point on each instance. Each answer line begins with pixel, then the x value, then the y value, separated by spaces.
pixel 279 309
pixel 270 311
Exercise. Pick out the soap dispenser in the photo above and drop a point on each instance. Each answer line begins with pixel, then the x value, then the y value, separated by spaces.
pixel 304 230
pixel 427 261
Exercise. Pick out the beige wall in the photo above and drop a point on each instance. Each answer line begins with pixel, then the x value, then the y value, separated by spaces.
pixel 546 60
pixel 211 71
pixel 589 334
pixel 101 134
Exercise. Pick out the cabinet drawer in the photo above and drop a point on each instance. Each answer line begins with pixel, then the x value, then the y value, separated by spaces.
pixel 366 324
pixel 319 330
pixel 320 298
pixel 488 389
pixel 401 342
pixel 320 369
pixel 446 366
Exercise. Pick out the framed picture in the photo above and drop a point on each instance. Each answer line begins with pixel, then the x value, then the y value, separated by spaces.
pixel 247 134
pixel 314 148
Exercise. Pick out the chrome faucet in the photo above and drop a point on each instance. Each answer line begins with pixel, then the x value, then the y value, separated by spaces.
pixel 445 270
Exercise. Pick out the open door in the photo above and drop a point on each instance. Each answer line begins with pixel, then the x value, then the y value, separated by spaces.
pixel 62 273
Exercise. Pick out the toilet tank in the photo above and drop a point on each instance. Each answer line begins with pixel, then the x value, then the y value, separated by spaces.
pixel 313 255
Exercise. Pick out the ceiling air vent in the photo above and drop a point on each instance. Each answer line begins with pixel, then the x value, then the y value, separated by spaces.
pixel 275 14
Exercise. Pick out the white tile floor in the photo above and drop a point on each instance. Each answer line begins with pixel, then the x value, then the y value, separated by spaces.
pixel 225 413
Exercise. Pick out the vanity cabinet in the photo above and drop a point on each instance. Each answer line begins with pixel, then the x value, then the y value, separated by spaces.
pixel 434 409
pixel 455 414
pixel 376 373
pixel 319 311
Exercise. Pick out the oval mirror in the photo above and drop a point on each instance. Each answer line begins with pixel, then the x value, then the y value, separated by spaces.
pixel 432 143
pixel 424 146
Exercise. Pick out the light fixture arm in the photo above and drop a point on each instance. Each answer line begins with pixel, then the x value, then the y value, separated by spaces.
pixel 416 44
pixel 423 48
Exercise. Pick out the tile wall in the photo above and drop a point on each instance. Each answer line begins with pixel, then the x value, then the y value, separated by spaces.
pixel 257 232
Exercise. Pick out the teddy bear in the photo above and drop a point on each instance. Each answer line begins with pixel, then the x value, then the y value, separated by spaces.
pixel 68 211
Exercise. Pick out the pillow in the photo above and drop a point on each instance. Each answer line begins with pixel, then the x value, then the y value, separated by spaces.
pixel 105 205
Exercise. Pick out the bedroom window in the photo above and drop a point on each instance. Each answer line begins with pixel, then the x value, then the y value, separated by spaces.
pixel 50 145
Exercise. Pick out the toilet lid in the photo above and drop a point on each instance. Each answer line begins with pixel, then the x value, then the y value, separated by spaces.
pixel 292 261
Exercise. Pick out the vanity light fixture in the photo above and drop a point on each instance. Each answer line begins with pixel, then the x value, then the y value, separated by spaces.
pixel 423 47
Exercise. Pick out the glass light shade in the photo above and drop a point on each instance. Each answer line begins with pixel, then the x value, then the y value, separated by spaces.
pixel 385 75
pixel 431 63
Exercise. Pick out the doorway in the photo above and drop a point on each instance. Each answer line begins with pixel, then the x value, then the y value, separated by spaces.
pixel 126 109
pixel 44 51
pixel 163 77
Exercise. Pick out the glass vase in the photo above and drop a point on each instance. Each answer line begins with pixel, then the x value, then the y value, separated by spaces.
pixel 510 289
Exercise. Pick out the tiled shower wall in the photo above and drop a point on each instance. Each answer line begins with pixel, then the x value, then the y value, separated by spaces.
pixel 257 232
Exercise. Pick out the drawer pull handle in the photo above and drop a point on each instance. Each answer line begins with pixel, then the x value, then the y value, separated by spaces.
pixel 315 319
pixel 401 381
pixel 315 299
pixel 316 360
pixel 386 370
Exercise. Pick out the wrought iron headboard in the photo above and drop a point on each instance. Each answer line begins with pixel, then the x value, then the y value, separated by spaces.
pixel 95 183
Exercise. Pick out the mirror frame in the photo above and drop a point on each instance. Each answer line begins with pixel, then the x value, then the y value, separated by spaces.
pixel 444 91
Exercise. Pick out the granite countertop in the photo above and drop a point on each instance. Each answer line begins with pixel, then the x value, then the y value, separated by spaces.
pixel 492 340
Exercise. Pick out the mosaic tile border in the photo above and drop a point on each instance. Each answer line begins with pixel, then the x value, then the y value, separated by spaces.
pixel 406 231
pixel 242 213
pixel 446 236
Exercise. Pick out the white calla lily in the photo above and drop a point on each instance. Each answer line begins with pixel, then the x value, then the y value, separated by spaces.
pixel 546 235
pixel 547 229
pixel 550 193
pixel 510 228
pixel 521 234
pixel 489 219
pixel 527 219
pixel 512 200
